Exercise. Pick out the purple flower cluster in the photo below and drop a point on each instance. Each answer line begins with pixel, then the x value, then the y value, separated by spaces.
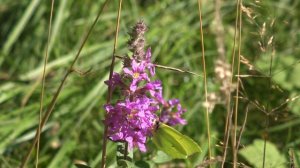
pixel 169 116
pixel 134 115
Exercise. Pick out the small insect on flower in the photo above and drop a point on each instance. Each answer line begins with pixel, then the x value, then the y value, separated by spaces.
pixel 173 143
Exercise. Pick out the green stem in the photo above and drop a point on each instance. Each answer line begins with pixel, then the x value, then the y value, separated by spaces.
pixel 104 140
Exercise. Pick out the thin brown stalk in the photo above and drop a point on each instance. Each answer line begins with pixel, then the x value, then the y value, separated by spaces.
pixel 228 102
pixel 54 99
pixel 284 103
pixel 167 67
pixel 265 135
pixel 205 81
pixel 112 65
pixel 43 86
pixel 235 149
pixel 252 76
pixel 268 106
pixel 243 127
pixel 176 69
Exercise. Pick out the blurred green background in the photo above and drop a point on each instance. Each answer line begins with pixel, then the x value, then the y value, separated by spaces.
pixel 74 130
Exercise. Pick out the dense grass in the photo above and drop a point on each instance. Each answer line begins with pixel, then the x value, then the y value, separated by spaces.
pixel 75 128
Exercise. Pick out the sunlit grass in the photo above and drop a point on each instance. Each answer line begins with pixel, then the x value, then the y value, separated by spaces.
pixel 75 129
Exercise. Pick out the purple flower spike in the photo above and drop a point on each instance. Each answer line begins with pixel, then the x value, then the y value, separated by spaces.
pixel 134 115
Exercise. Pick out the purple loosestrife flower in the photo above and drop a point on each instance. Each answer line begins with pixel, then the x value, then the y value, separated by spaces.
pixel 137 73
pixel 137 139
pixel 172 116
pixel 133 117
pixel 155 90
pixel 131 121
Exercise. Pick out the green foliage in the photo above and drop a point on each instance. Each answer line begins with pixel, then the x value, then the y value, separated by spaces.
pixel 253 154
pixel 285 75
pixel 75 129
pixel 125 163
pixel 144 164
pixel 296 158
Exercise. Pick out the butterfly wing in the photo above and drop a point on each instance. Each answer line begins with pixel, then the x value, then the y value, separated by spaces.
pixel 189 145
pixel 164 142
pixel 174 143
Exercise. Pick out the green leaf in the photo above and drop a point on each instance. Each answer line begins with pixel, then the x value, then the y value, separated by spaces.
pixel 125 163
pixel 254 155
pixel 173 143
pixel 143 164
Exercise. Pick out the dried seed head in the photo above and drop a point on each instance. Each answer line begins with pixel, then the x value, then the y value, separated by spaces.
pixel 222 70
pixel 223 74
pixel 249 12
pixel 136 43
pixel 212 100
pixel 246 62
